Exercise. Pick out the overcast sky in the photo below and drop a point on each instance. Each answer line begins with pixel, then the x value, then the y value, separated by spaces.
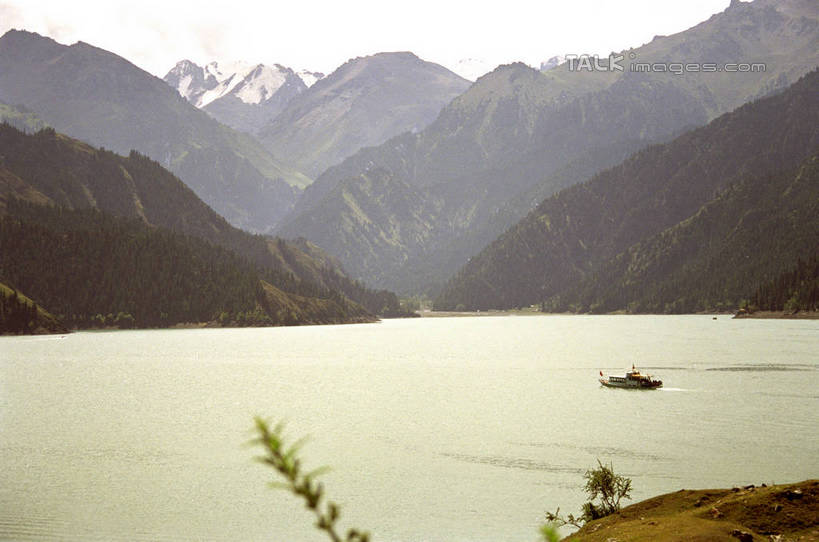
pixel 155 34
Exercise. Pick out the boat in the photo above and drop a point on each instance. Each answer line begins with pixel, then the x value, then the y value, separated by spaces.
pixel 634 380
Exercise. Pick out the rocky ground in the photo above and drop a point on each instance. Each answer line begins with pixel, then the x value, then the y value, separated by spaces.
pixel 780 513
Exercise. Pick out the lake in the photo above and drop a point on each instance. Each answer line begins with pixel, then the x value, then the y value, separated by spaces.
pixel 436 429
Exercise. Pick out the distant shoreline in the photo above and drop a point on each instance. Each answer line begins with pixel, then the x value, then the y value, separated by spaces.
pixel 761 315
pixel 780 315
pixel 450 314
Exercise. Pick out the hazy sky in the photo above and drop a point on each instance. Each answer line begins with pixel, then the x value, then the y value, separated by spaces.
pixel 155 34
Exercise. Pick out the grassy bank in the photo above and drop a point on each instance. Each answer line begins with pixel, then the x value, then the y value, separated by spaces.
pixel 781 513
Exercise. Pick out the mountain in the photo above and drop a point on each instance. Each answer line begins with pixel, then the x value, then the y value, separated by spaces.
pixel 50 169
pixel 98 97
pixel 690 225
pixel 519 135
pixel 243 96
pixel 362 103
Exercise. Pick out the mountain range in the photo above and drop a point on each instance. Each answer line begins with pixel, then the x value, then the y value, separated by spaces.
pixel 48 185
pixel 691 225
pixel 103 99
pixel 242 95
pixel 312 126
pixel 407 214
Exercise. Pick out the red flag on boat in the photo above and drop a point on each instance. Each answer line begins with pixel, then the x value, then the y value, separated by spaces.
pixel 601 373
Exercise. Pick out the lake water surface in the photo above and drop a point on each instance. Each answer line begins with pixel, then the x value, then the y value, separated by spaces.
pixel 437 429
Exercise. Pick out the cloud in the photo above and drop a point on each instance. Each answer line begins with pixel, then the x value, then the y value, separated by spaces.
pixel 319 35
pixel 10 17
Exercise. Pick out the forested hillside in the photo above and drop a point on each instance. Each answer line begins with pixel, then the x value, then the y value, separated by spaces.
pixel 676 227
pixel 146 207
pixel 21 315
pixel 712 260
pixel 92 269
pixel 50 168
pixel 796 289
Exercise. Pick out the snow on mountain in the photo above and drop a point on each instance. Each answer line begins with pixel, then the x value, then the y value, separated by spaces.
pixel 309 78
pixel 190 79
pixel 251 83
pixel 553 62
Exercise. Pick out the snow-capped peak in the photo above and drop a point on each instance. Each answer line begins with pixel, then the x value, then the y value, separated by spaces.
pixel 222 71
pixel 261 83
pixel 250 83
pixel 553 62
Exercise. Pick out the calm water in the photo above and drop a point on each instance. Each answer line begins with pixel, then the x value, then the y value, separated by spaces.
pixel 439 429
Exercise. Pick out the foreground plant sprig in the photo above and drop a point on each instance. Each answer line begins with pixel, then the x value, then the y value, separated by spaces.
pixel 284 459
pixel 601 482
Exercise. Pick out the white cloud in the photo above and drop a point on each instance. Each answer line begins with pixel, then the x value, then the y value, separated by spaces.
pixel 154 34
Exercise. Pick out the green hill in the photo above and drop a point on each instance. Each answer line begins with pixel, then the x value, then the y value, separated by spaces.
pixel 690 225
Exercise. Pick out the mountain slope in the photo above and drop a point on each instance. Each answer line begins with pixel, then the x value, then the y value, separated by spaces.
pixel 646 231
pixel 518 134
pixel 94 269
pixel 51 169
pixel 19 314
pixel 101 98
pixel 243 96
pixel 711 260
pixel 362 103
